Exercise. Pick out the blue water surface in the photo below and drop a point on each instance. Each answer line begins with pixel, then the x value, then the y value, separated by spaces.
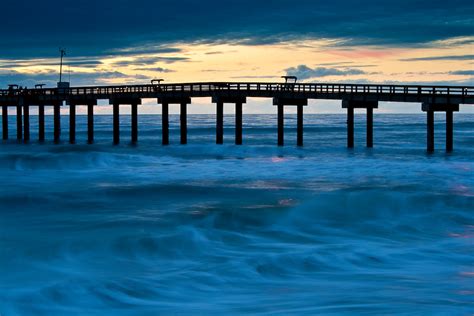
pixel 253 229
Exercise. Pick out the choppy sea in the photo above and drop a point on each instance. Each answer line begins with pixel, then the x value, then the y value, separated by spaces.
pixel 253 229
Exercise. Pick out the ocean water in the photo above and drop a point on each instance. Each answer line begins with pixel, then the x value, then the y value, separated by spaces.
pixel 253 229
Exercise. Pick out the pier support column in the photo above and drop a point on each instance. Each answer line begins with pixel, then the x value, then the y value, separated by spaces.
pixel 299 137
pixel 219 122
pixel 116 123
pixel 41 123
pixel 4 122
pixel 350 127
pixel 116 102
pixel 281 122
pixel 165 124
pixel 370 127
pixel 238 123
pixel 134 132
pixel 430 109
pixel 183 120
pixel 449 131
pixel 220 101
pixel 183 117
pixel 19 122
pixel 90 123
pixel 350 105
pixel 430 131
pixel 72 124
pixel 280 103
pixel 26 123
pixel 57 123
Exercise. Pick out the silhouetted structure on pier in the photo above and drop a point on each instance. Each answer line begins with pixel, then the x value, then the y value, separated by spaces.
pixel 353 96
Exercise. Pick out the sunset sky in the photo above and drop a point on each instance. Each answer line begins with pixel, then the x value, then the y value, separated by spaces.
pixel 128 42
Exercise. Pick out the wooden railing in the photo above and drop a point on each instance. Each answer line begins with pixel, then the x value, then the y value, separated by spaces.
pixel 324 88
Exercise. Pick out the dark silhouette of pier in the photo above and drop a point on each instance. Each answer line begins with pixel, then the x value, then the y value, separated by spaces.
pixel 433 99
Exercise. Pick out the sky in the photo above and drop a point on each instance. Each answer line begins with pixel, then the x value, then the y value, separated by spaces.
pixel 131 42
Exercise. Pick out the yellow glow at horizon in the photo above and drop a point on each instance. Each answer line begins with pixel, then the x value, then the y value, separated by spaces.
pixel 268 62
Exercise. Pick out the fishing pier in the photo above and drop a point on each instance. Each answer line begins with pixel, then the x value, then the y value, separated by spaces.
pixel 353 96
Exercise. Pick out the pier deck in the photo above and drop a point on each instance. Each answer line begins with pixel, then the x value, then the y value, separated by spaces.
pixel 367 96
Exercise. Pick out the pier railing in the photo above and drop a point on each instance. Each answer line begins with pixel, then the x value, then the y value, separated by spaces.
pixel 362 96
pixel 300 88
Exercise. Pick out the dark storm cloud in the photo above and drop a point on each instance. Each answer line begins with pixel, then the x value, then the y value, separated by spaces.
pixel 305 72
pixel 91 28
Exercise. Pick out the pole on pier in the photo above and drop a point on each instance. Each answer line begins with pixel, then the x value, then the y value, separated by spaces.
pixel 116 122
pixel 220 122
pixel 165 124
pixel 72 124
pixel 26 123
pixel 134 122
pixel 299 128
pixel 19 122
pixel 370 127
pixel 41 123
pixel 183 118
pixel 57 123
pixel 5 122
pixel 238 123
pixel 449 131
pixel 90 123
pixel 430 130
pixel 350 127
pixel 281 141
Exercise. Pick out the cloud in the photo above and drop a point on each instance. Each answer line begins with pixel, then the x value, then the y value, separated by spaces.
pixel 448 57
pixel 254 77
pixel 462 72
pixel 146 49
pixel 304 72
pixel 214 53
pixel 156 69
pixel 50 78
pixel 151 60
pixel 120 27
pixel 456 83
pixel 75 62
